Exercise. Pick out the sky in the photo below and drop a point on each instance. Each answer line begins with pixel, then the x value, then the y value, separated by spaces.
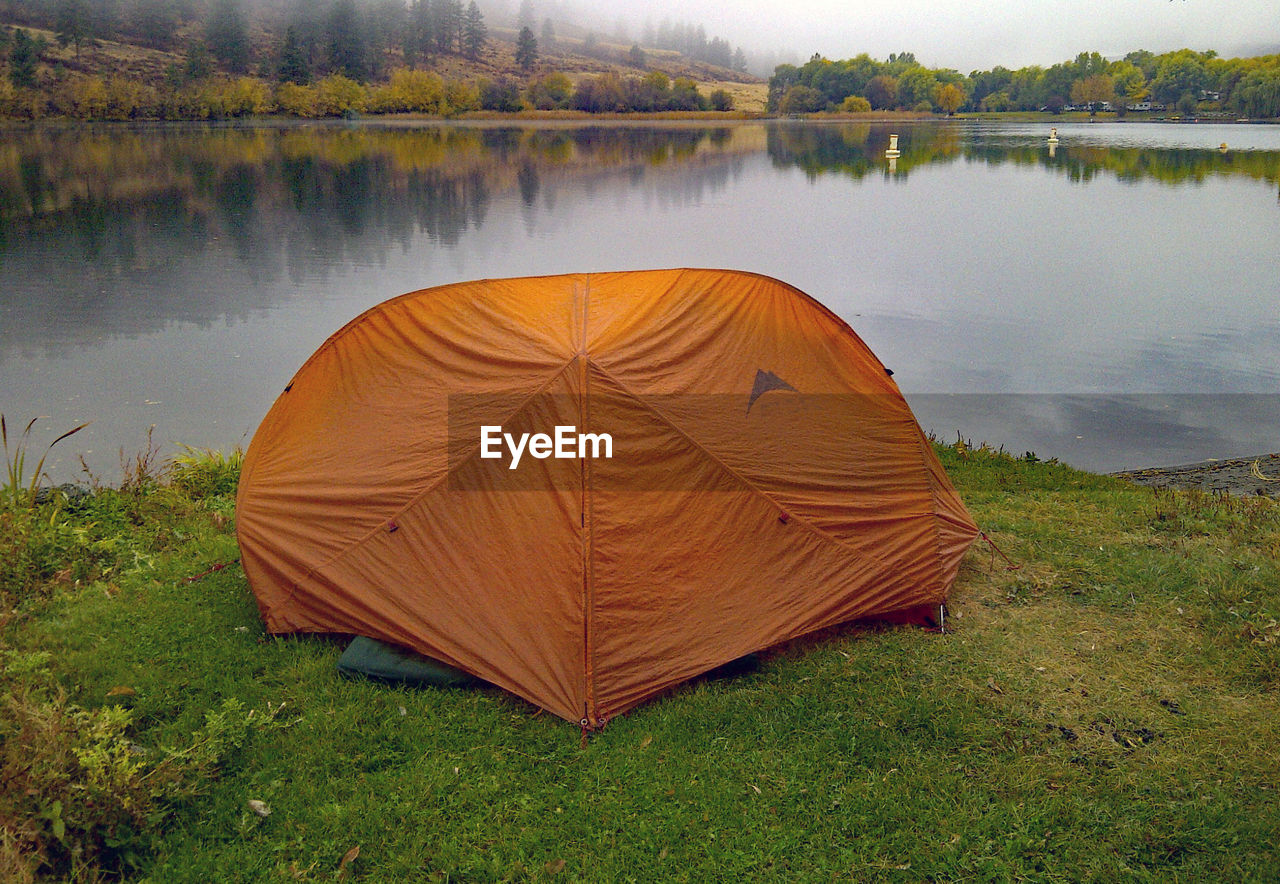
pixel 978 36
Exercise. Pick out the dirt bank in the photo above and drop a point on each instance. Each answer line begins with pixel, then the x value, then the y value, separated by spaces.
pixel 1258 475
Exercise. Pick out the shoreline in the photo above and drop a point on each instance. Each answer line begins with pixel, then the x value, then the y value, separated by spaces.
pixel 1257 476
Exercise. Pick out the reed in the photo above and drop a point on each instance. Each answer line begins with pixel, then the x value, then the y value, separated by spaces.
pixel 20 490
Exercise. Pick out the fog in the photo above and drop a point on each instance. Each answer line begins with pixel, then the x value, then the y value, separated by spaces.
pixel 970 36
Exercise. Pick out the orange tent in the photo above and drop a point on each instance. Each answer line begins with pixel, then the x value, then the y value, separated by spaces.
pixel 437 475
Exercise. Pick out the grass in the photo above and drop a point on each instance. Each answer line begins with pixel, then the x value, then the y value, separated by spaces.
pixel 1108 710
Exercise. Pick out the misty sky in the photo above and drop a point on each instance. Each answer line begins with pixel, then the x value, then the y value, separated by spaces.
pixel 979 35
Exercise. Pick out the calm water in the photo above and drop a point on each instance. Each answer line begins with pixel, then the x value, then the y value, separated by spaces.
pixel 1114 304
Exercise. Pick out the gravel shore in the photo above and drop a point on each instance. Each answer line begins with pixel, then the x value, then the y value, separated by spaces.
pixel 1258 475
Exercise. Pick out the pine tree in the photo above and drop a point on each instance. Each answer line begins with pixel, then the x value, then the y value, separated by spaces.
pixel 525 17
pixel 348 49
pixel 227 34
pixel 294 66
pixel 72 23
pixel 420 42
pixel 23 58
pixel 526 49
pixel 474 32
pixel 447 24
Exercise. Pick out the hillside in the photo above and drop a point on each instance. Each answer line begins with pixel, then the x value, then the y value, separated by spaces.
pixel 577 57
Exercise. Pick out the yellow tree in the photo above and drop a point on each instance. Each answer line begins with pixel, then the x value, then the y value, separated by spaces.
pixel 949 97
pixel 1093 91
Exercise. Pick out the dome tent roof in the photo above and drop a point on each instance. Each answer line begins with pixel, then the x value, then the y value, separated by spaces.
pixel 765 479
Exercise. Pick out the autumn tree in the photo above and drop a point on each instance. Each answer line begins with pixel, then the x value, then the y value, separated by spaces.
pixel 1130 84
pixel 802 100
pixel 882 92
pixel 1178 74
pixel 949 97
pixel 526 49
pixel 551 92
pixel 1094 90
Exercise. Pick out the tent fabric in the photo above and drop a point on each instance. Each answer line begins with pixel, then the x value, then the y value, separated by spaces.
pixel 767 480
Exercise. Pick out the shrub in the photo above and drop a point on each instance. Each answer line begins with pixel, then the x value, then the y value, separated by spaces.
pixel 242 97
pixel 81 797
pixel 855 104
pixel 297 101
pixel 503 95
pixel 410 91
pixel 553 91
pixel 801 100
pixel 600 94
pixel 685 96
pixel 721 100
pixel 461 97
pixel 338 96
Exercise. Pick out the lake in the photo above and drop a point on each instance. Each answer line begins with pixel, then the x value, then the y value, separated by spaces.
pixel 1111 301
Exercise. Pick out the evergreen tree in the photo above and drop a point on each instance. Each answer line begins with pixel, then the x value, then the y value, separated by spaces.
pixel 198 64
pixel 474 32
pixel 227 34
pixel 294 66
pixel 420 41
pixel 72 23
pixel 548 38
pixel 155 22
pixel 447 24
pixel 23 58
pixel 525 17
pixel 526 49
pixel 387 19
pixel 348 49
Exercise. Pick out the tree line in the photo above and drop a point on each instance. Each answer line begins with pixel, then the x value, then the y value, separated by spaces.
pixel 91 97
pixel 361 39
pixel 1188 81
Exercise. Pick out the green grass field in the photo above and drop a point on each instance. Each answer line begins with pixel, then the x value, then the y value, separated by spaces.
pixel 1107 711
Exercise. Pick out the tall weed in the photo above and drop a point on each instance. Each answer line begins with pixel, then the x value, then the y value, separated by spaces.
pixel 19 489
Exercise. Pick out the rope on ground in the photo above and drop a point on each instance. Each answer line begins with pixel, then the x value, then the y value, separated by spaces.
pixel 1257 472
pixel 992 544
pixel 208 571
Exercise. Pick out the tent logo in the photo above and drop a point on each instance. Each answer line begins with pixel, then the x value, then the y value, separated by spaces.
pixel 766 381
pixel 565 444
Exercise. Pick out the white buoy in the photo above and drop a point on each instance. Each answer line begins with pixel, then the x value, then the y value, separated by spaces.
pixel 893 152
pixel 1053 135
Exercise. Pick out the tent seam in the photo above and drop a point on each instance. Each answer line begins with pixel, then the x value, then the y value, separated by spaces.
pixel 756 490
pixel 417 498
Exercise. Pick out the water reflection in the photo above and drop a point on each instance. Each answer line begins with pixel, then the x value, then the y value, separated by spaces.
pixel 179 274
pixel 142 212
pixel 857 150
